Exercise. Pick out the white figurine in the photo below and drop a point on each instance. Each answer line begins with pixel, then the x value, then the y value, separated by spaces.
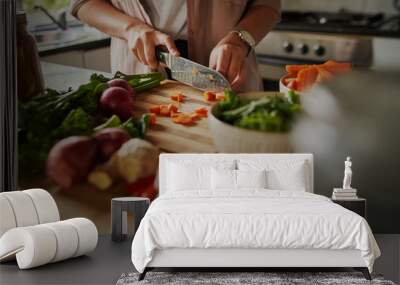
pixel 347 173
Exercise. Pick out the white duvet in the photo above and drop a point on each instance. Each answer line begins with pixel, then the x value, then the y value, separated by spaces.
pixel 250 219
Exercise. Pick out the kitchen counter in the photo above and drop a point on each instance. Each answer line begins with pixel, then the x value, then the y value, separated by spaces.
pixel 83 38
pixel 61 77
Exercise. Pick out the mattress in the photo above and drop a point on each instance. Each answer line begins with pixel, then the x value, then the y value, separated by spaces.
pixel 250 219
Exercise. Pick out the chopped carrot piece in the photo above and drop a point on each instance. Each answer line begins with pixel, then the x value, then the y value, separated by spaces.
pixel 164 110
pixel 202 111
pixel 153 119
pixel 323 74
pixel 174 114
pixel 155 109
pixel 186 120
pixel 172 108
pixel 183 119
pixel 179 97
pixel 220 97
pixel 195 116
pixel 306 78
pixel 337 67
pixel 292 85
pixel 288 78
pixel 209 96
pixel 296 68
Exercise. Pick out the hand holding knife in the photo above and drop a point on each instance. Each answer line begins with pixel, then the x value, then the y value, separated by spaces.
pixel 192 73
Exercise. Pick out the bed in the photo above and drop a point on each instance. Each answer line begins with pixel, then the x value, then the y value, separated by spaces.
pixel 247 211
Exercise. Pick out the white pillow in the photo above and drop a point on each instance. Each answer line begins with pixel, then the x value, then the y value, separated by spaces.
pixel 292 175
pixel 185 175
pixel 224 179
pixel 251 178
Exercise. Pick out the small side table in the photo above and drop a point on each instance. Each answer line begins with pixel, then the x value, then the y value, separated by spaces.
pixel 358 206
pixel 120 207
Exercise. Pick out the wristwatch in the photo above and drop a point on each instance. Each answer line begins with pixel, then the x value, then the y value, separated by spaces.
pixel 247 38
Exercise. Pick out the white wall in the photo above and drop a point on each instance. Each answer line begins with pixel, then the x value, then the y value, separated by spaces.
pixel 333 6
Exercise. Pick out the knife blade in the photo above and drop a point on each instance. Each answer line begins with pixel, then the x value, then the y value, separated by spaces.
pixel 192 73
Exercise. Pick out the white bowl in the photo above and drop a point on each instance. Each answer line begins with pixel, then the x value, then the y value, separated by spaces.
pixel 283 88
pixel 230 139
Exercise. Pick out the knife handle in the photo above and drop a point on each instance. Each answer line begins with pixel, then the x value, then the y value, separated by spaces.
pixel 161 54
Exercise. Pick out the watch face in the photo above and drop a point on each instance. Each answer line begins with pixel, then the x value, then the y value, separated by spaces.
pixel 248 38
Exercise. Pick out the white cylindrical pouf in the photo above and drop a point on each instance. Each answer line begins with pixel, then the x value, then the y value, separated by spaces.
pixel 7 218
pixel 45 205
pixel 34 246
pixel 23 208
pixel 87 234
pixel 67 239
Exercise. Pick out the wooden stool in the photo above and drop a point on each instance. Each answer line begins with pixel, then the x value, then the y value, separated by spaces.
pixel 120 207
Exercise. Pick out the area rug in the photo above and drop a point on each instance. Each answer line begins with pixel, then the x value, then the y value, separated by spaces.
pixel 253 278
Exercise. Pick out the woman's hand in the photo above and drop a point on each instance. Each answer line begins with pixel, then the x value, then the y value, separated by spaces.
pixel 228 58
pixel 142 41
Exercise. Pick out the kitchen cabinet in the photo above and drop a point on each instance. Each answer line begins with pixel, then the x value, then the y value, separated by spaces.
pixel 95 59
pixel 70 58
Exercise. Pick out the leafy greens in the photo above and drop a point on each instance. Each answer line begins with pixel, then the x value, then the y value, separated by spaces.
pixel 274 113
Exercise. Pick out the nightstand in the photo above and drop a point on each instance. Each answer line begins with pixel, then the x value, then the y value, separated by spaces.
pixel 358 206
pixel 120 207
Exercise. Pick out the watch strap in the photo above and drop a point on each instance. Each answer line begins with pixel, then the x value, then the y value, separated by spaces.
pixel 241 36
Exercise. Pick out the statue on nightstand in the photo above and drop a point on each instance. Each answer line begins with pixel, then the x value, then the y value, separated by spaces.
pixel 347 173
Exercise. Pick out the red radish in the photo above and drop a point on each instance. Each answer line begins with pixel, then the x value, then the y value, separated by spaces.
pixel 71 159
pixel 153 119
pixel 110 140
pixel 121 83
pixel 118 101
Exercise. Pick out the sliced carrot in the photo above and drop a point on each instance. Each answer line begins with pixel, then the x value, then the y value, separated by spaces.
pixel 155 109
pixel 209 96
pixel 153 119
pixel 195 116
pixel 179 97
pixel 186 120
pixel 220 97
pixel 306 75
pixel 174 114
pixel 201 111
pixel 294 68
pixel 164 110
pixel 183 119
pixel 323 74
pixel 172 108
pixel 287 81
pixel 337 67
pixel 288 78
pixel 292 84
pixel 306 78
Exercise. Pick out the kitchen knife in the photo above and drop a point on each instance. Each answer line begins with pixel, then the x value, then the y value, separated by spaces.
pixel 192 73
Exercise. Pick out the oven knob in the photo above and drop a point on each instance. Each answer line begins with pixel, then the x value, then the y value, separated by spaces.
pixel 319 50
pixel 288 47
pixel 303 48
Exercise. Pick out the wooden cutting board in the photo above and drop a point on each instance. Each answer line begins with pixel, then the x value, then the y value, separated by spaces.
pixel 167 135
